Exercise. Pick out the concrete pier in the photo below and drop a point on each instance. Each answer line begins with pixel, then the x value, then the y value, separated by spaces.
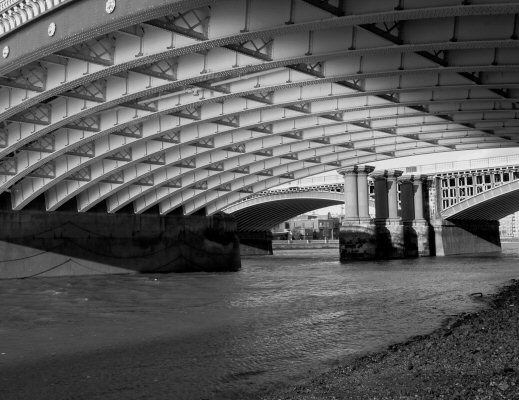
pixel 38 243
pixel 417 229
pixel 358 233
pixel 254 243
pixel 410 231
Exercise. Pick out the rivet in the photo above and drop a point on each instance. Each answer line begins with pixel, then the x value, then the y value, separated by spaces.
pixel 51 29
pixel 5 52
pixel 110 6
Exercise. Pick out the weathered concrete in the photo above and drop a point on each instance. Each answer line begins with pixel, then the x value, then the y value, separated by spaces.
pixel 253 243
pixel 371 241
pixel 64 243
pixel 357 242
pixel 466 237
pixel 417 239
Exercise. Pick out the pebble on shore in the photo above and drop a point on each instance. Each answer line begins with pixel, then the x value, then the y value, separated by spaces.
pixel 474 356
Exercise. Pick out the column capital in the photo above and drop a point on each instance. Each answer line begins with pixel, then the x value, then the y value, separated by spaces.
pixel 354 169
pixel 365 169
pixel 385 173
pixel 413 178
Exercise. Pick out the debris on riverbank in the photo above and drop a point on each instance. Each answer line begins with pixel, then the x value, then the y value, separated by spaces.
pixel 472 356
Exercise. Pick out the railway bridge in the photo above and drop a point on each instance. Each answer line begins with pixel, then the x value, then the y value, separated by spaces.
pixel 141 121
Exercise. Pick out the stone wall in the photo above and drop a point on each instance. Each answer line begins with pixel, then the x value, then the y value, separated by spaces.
pixel 255 243
pixel 37 243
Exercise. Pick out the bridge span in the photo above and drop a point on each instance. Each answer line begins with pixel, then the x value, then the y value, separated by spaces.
pixel 132 109
pixel 463 197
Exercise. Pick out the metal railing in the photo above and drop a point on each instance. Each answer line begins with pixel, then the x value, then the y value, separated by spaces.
pixel 464 165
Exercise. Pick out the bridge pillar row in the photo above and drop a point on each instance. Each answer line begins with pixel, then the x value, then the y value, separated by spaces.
pixel 388 224
pixel 362 237
pixel 416 227
pixel 356 193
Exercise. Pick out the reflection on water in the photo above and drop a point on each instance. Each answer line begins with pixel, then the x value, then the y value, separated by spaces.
pixel 218 336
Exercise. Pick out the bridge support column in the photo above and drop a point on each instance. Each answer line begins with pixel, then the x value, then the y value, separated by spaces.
pixel 351 204
pixel 254 243
pixel 416 228
pixel 389 228
pixel 383 238
pixel 358 233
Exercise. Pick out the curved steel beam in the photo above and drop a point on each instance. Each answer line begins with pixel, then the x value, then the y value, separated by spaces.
pixel 146 107
pixel 491 205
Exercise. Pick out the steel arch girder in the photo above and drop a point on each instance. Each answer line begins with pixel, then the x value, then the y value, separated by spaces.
pixel 399 50
pixel 144 155
pixel 134 115
pixel 121 142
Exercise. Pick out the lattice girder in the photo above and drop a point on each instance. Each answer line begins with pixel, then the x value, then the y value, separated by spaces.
pixel 94 91
pixel 32 77
pixel 192 23
pixel 98 51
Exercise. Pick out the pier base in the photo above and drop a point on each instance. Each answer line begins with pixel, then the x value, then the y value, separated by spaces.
pixel 371 240
pixel 417 239
pixel 254 243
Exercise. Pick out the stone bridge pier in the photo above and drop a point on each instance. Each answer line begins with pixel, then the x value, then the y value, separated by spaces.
pixel 412 230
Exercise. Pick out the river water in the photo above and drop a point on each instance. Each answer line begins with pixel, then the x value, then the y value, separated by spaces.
pixel 227 335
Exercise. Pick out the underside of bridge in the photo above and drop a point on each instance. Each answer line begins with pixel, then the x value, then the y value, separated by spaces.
pixel 264 213
pixel 188 105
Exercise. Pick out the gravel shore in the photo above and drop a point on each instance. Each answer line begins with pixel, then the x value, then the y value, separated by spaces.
pixel 472 356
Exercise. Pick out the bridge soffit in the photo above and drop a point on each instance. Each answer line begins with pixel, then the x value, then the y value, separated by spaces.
pixel 165 111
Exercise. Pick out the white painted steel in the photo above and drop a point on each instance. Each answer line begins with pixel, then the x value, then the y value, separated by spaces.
pixel 153 115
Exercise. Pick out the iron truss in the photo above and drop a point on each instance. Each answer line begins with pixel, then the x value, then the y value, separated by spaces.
pixel 198 104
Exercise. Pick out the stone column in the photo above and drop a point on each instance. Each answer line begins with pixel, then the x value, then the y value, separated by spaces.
pixel 381 210
pixel 407 198
pixel 418 182
pixel 357 240
pixel 392 194
pixel 351 209
pixel 363 191
pixel 389 231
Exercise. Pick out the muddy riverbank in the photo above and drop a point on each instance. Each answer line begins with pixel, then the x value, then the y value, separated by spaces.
pixel 472 356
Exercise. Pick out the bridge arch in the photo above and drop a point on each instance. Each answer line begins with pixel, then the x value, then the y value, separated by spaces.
pixel 491 205
pixel 263 213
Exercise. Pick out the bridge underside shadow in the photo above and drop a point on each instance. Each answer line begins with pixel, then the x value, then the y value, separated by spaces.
pixel 472 225
pixel 256 220
pixel 43 244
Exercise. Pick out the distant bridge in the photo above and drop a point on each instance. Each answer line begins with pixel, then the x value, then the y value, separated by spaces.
pixel 482 193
